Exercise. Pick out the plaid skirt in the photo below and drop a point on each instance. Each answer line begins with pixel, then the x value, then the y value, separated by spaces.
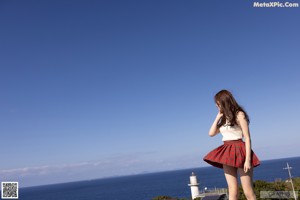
pixel 232 153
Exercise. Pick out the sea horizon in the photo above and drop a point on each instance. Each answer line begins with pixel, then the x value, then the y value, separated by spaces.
pixel 145 186
pixel 138 174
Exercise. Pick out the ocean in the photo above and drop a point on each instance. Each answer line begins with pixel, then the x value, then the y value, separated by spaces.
pixel 148 186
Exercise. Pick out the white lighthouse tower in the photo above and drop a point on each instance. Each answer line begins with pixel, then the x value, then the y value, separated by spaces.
pixel 194 186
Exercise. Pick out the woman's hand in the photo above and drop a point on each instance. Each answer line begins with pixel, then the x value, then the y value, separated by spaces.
pixel 219 115
pixel 214 127
pixel 247 166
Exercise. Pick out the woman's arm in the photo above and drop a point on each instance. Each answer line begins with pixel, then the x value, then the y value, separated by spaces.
pixel 245 128
pixel 214 130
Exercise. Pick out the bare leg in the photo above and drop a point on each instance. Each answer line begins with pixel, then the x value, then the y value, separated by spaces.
pixel 232 182
pixel 247 184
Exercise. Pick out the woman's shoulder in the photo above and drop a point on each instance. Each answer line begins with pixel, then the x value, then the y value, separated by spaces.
pixel 240 113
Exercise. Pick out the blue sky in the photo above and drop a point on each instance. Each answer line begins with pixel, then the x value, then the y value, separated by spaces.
pixel 91 89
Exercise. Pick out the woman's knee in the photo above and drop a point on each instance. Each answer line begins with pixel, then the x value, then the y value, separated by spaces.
pixel 250 195
pixel 233 190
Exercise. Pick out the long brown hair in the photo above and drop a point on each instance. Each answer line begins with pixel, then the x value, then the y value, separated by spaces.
pixel 229 107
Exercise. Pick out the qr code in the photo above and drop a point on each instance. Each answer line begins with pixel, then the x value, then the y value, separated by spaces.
pixel 9 190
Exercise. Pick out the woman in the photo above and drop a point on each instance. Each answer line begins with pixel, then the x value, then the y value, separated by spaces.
pixel 235 155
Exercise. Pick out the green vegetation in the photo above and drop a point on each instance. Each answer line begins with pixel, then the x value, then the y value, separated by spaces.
pixel 259 186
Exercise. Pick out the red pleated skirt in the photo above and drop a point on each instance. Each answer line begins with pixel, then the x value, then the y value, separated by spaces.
pixel 232 153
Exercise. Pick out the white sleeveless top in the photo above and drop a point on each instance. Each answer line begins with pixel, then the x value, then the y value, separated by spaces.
pixel 231 132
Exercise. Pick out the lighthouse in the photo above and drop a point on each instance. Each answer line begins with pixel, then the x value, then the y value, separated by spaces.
pixel 194 186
